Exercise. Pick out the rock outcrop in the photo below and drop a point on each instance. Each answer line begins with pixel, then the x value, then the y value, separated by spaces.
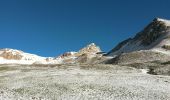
pixel 84 55
pixel 90 49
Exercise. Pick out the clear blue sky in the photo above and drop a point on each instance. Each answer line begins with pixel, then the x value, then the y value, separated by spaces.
pixel 52 27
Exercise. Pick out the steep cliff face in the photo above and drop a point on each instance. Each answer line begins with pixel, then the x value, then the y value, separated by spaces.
pixel 155 35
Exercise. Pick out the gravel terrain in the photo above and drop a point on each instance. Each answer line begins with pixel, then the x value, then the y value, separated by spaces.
pixel 81 82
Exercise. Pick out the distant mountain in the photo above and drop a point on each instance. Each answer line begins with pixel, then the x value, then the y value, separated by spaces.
pixel 155 36
pixel 82 56
pixel 12 56
pixel 89 49
pixel 17 56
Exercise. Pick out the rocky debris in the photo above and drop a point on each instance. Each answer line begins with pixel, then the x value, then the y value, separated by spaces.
pixel 37 63
pixel 83 82
pixel 85 58
pixel 92 59
pixel 166 47
pixel 142 56
pixel 153 67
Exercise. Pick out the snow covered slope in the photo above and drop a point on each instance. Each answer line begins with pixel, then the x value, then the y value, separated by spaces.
pixel 156 36
pixel 12 56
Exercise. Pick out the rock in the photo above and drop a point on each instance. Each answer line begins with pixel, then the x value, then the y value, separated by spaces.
pixel 166 47
pixel 68 54
pixel 89 49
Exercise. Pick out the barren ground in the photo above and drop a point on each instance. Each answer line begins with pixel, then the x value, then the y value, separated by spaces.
pixel 84 82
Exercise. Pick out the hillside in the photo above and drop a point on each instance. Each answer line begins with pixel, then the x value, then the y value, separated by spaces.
pixel 154 36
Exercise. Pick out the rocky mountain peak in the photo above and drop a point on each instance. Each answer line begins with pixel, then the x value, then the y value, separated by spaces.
pixel 83 55
pixel 154 35
pixel 91 48
pixel 158 27
pixel 165 21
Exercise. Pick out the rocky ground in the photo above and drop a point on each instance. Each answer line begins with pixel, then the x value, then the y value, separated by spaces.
pixel 81 82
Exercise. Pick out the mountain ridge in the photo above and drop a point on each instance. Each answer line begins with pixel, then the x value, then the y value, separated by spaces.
pixel 148 38
pixel 155 38
pixel 13 56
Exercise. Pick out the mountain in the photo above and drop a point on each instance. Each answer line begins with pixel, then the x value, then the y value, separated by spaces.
pixel 13 56
pixel 151 44
pixel 84 55
pixel 17 56
pixel 90 49
pixel 155 36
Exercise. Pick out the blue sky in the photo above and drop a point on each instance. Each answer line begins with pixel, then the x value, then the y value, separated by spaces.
pixel 52 27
